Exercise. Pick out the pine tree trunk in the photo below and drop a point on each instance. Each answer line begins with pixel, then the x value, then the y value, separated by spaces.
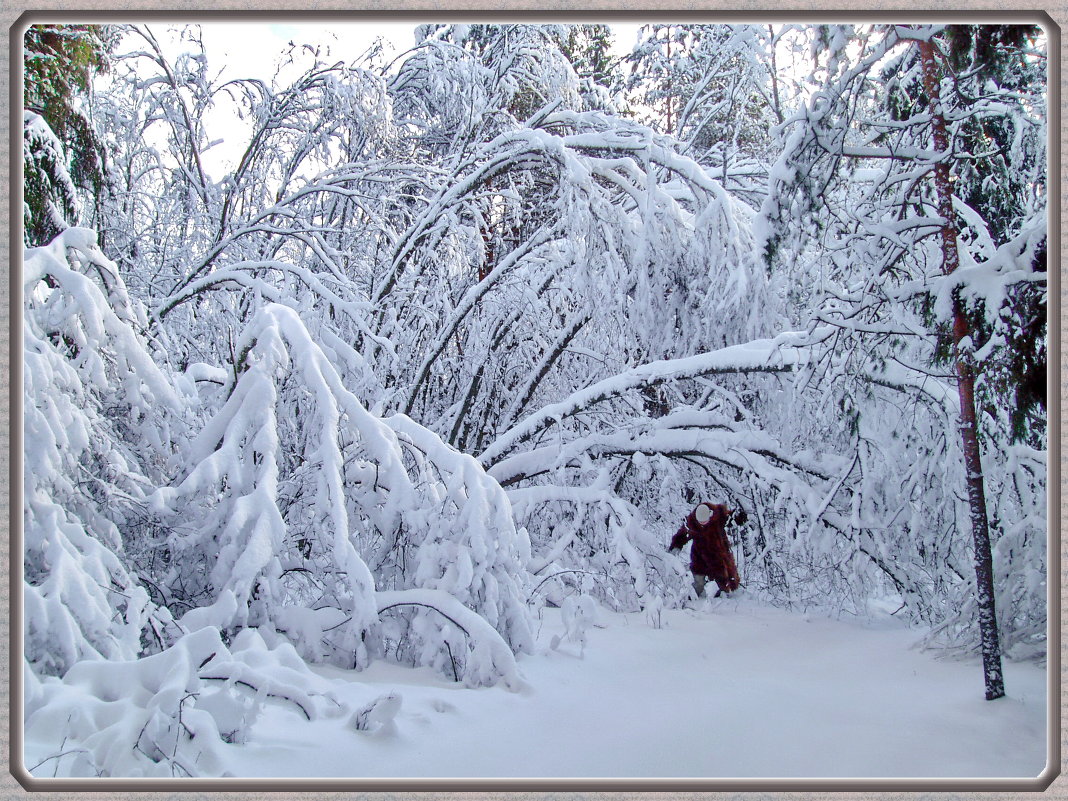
pixel 969 432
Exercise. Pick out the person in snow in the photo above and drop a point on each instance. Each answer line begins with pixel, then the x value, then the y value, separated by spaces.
pixel 710 557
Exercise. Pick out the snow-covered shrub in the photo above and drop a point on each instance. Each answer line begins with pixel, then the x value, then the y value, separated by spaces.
pixel 433 628
pixel 172 714
pixel 578 613
pixel 99 415
pixel 298 504
pixel 377 716
pixel 592 541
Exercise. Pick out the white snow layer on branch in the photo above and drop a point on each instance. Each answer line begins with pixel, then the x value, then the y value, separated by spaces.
pixel 778 354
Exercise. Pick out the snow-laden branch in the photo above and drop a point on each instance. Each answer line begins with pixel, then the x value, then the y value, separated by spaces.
pixel 243 273
pixel 487 650
pixel 683 434
pixel 469 301
pixel 84 358
pixel 782 353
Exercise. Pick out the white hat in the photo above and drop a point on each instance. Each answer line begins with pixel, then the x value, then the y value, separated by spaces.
pixel 703 513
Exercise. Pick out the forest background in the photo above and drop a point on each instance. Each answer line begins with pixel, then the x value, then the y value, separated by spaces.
pixel 466 331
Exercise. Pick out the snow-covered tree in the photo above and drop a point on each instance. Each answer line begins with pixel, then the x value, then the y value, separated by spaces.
pixel 717 90
pixel 902 255
pixel 62 155
pixel 100 420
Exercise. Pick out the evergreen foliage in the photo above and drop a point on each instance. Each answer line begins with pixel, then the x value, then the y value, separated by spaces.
pixel 62 153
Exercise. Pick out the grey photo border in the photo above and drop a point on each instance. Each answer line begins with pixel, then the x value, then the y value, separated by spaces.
pixel 15 782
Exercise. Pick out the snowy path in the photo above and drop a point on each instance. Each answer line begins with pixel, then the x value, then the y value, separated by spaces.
pixel 736 690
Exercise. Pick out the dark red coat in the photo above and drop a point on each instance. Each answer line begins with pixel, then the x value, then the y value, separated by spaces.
pixel 711 553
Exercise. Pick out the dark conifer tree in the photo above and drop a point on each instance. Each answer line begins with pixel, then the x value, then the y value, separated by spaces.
pixel 62 154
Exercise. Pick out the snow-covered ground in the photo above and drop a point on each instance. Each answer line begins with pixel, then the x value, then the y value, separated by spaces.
pixel 732 688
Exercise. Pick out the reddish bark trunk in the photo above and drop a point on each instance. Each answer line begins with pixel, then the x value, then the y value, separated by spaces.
pixel 969 432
